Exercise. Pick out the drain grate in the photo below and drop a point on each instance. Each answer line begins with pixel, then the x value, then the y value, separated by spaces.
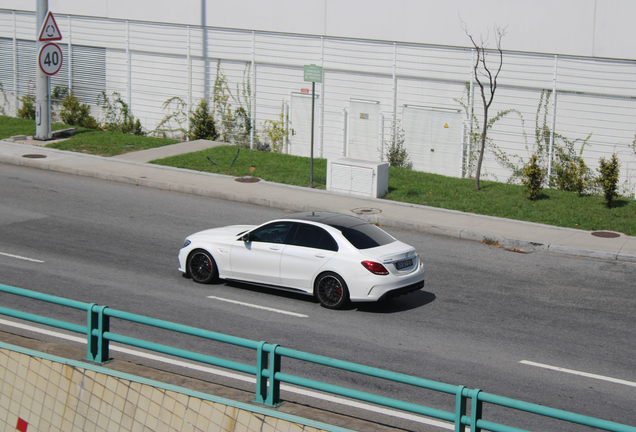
pixel 34 156
pixel 247 179
pixel 366 211
pixel 605 234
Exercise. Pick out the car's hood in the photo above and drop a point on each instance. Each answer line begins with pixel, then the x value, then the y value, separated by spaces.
pixel 223 232
pixel 391 252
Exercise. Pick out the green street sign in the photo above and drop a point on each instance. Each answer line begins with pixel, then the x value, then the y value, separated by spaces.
pixel 313 73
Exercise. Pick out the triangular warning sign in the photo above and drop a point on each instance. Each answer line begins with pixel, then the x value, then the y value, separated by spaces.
pixel 49 30
pixel 446 125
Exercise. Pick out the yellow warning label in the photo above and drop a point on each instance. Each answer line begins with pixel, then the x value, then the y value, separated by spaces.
pixel 446 125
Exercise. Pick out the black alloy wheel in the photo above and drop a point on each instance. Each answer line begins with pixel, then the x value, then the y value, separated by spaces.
pixel 331 291
pixel 201 266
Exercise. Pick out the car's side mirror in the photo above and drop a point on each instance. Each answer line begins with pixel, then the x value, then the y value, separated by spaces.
pixel 246 238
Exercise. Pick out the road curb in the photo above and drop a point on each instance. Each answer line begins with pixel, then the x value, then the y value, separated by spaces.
pixel 502 241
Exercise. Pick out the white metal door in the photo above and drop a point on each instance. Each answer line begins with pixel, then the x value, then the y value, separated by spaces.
pixel 300 125
pixel 363 129
pixel 433 139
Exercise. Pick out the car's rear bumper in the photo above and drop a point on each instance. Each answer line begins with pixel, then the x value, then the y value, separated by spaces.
pixel 387 288
pixel 404 290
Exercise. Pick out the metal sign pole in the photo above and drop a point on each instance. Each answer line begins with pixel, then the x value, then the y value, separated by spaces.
pixel 311 156
pixel 312 73
pixel 42 100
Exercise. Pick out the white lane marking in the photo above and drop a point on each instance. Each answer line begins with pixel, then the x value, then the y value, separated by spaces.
pixel 259 307
pixel 20 257
pixel 223 373
pixel 584 374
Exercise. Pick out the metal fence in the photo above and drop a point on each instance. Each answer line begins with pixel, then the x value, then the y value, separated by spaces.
pixel 372 91
pixel 269 374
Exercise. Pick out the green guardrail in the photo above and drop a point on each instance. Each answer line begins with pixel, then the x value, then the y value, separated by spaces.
pixel 268 368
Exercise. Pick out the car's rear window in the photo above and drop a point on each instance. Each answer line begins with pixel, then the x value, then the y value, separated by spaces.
pixel 366 236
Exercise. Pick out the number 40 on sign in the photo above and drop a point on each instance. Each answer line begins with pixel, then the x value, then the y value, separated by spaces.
pixel 50 59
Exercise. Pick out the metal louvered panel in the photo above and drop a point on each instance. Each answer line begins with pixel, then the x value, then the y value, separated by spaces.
pixel 89 73
pixel 27 66
pixel 6 65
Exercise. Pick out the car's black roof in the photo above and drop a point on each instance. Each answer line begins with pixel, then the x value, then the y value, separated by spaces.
pixel 335 220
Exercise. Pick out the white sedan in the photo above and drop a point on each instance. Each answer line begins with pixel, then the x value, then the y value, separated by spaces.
pixel 332 256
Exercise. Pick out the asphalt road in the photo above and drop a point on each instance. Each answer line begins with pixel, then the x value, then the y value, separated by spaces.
pixel 482 312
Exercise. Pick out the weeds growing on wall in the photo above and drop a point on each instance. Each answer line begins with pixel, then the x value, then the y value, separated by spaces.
pixel 232 113
pixel 474 139
pixel 3 100
pixel 175 123
pixel 276 132
pixel 118 116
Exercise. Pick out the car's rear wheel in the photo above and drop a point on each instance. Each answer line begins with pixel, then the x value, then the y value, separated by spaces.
pixel 331 291
pixel 201 266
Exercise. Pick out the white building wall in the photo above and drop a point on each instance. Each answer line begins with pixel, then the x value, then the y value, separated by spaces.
pixel 598 28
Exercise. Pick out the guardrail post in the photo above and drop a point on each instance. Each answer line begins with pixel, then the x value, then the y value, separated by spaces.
pixel 475 411
pixel 261 365
pixel 273 393
pixel 98 324
pixel 460 408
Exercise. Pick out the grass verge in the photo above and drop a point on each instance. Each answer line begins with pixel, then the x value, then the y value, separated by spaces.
pixel 274 167
pixel 553 207
pixel 90 141
pixel 11 126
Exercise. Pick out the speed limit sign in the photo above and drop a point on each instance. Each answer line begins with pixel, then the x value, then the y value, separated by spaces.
pixel 50 59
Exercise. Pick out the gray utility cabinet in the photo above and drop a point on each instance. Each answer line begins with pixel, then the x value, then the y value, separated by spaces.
pixel 358 177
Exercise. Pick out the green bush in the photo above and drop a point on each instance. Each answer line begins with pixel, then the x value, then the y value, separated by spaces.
pixel 27 107
pixel 396 154
pixel 608 178
pixel 532 177
pixel 76 114
pixel 202 123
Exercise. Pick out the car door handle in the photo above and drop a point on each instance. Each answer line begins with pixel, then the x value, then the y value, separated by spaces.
pixel 320 255
pixel 273 248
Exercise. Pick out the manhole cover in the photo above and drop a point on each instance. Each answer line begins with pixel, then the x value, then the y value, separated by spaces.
pixel 34 156
pixel 605 234
pixel 247 179
pixel 366 211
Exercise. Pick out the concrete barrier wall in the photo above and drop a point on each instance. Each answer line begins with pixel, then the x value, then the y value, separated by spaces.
pixel 41 392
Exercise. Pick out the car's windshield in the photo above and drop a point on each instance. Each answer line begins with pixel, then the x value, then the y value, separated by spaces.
pixel 366 236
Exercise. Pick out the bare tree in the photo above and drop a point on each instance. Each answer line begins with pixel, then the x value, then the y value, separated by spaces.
pixel 487 84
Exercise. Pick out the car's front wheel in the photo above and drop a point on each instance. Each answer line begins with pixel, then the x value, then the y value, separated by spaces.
pixel 201 266
pixel 331 291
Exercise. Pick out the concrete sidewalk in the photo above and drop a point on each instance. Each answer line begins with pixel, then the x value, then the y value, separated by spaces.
pixel 132 168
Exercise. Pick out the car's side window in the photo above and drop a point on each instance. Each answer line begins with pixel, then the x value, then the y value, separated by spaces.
pixel 275 232
pixel 314 237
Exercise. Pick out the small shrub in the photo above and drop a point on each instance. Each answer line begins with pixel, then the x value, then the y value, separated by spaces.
pixel 571 174
pixel 27 107
pixel 608 178
pixel 396 154
pixel 202 123
pixel 532 177
pixel 584 179
pixel 77 114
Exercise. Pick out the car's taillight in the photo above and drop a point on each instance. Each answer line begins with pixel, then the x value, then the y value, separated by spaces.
pixel 375 268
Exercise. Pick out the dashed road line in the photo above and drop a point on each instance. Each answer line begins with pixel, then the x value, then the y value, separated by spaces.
pixel 259 307
pixel 579 373
pixel 20 257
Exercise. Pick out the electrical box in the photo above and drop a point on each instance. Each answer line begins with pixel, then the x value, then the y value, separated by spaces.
pixel 358 177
